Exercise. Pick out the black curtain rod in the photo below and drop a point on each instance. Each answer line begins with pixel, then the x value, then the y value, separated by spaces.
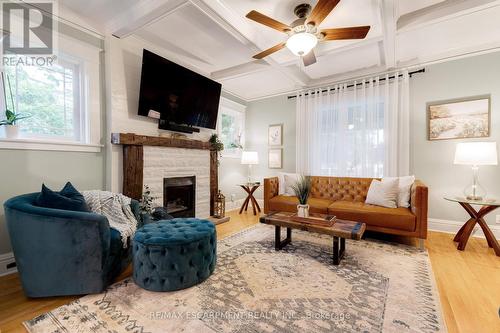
pixel 358 84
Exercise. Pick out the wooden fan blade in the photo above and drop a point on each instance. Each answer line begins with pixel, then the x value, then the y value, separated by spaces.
pixel 267 21
pixel 269 51
pixel 346 33
pixel 309 58
pixel 321 11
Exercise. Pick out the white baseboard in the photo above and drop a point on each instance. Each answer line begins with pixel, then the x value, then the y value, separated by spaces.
pixel 452 227
pixel 236 204
pixel 6 260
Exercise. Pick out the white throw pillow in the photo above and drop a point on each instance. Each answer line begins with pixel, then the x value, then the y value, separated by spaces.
pixel 283 184
pixel 384 193
pixel 289 182
pixel 405 184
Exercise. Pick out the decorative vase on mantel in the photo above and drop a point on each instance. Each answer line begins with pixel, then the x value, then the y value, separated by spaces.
pixel 303 210
pixel 11 131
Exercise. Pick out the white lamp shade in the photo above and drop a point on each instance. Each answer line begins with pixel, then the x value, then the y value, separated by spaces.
pixel 250 157
pixel 301 43
pixel 476 153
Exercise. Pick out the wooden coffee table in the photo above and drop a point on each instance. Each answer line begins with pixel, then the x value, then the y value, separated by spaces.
pixel 340 231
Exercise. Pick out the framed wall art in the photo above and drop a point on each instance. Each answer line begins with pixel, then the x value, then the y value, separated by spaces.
pixel 459 118
pixel 275 135
pixel 275 158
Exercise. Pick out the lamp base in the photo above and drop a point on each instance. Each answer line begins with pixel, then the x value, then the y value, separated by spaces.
pixel 474 198
pixel 249 178
pixel 475 192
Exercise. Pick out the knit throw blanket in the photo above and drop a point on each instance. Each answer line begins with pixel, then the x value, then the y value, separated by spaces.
pixel 116 208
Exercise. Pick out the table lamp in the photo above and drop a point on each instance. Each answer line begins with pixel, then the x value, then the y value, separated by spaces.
pixel 476 154
pixel 250 158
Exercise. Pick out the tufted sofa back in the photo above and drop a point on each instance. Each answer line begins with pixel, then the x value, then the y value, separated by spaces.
pixel 340 188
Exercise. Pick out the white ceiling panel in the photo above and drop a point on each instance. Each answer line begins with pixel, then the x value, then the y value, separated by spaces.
pixel 337 63
pixel 256 85
pixel 190 33
pixel 474 31
pixel 99 11
pixel 409 6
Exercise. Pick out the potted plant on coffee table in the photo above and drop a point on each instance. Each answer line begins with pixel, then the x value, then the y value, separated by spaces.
pixel 302 189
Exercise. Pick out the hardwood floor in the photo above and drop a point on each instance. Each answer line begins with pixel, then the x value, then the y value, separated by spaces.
pixel 468 283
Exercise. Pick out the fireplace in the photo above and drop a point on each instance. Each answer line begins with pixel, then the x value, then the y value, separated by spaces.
pixel 179 196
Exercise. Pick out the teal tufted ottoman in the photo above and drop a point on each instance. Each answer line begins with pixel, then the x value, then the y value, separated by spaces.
pixel 174 254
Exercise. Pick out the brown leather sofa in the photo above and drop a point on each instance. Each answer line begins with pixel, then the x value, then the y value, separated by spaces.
pixel 345 198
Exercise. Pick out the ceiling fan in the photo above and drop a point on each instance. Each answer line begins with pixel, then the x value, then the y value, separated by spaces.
pixel 303 33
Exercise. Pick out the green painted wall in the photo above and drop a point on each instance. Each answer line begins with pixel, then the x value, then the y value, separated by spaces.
pixel 24 171
pixel 261 114
pixel 432 161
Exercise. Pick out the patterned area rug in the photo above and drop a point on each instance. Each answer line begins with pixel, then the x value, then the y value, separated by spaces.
pixel 378 287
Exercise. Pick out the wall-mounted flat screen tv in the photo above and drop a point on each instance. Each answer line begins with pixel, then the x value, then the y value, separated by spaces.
pixel 177 96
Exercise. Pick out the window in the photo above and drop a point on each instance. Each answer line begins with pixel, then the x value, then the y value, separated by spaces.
pixel 351 139
pixel 50 96
pixel 231 127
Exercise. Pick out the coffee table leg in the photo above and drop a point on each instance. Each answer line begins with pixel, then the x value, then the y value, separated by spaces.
pixel 338 249
pixel 278 243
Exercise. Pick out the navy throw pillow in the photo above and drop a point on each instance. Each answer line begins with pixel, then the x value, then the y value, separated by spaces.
pixel 68 199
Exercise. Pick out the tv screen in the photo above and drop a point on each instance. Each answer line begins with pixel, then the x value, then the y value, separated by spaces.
pixel 177 95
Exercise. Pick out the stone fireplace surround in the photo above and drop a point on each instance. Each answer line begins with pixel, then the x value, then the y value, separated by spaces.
pixel 148 160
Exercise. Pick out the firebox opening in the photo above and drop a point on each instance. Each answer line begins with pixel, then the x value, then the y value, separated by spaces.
pixel 179 196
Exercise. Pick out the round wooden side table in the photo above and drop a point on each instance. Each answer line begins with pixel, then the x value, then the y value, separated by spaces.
pixel 250 189
pixel 476 216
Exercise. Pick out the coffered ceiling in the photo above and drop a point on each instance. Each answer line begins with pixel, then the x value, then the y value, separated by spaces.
pixel 214 37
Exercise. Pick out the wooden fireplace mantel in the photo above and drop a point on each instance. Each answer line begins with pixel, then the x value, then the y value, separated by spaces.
pixel 133 160
pixel 144 140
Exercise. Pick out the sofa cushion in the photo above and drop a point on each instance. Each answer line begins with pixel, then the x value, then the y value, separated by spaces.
pixel 394 218
pixel 282 182
pixel 118 258
pixel 68 199
pixel 405 184
pixel 286 203
pixel 340 188
pixel 383 193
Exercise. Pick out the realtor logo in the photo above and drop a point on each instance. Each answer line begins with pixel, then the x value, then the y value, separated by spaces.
pixel 28 27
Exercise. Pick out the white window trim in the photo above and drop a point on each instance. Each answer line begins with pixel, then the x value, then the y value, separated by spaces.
pixel 48 145
pixel 88 59
pixel 234 107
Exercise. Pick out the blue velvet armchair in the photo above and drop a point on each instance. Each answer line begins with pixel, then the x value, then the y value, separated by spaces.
pixel 60 252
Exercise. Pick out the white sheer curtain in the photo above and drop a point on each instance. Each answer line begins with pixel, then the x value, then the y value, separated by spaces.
pixel 359 132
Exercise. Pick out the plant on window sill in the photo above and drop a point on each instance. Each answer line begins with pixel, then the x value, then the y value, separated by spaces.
pixel 11 117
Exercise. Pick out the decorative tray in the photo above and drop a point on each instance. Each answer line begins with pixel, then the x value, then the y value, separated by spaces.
pixel 321 220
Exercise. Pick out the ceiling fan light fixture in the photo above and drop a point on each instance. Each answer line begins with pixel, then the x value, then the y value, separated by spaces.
pixel 301 43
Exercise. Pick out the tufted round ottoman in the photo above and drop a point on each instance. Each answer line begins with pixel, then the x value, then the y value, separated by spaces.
pixel 174 254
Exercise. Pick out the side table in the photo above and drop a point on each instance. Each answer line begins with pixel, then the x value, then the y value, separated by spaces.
pixel 250 189
pixel 476 216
